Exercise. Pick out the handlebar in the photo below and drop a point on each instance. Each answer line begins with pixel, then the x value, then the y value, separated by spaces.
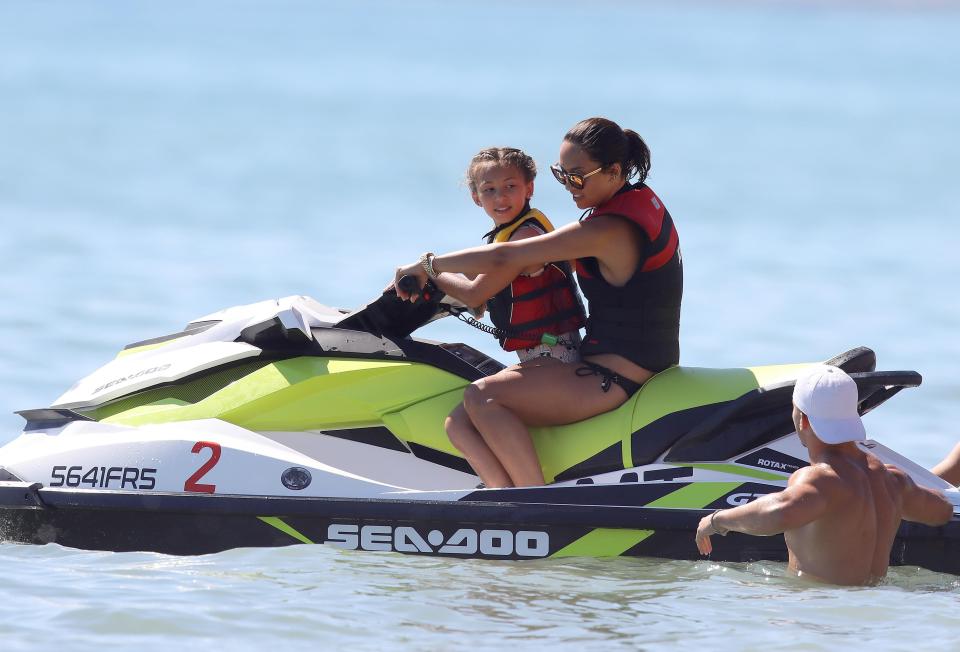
pixel 429 293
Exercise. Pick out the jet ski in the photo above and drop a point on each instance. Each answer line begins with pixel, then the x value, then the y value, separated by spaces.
pixel 292 422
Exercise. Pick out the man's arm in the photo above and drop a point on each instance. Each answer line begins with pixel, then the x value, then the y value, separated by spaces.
pixel 949 468
pixel 804 501
pixel 920 504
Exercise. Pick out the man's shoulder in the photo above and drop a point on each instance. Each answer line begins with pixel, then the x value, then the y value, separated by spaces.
pixel 892 475
pixel 814 472
pixel 822 476
pixel 896 476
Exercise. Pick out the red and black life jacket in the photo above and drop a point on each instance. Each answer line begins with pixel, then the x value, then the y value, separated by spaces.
pixel 641 320
pixel 532 306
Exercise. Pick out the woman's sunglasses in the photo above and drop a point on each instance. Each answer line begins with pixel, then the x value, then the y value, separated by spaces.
pixel 575 179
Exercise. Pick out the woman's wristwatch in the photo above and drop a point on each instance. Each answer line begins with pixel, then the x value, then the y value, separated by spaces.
pixel 426 262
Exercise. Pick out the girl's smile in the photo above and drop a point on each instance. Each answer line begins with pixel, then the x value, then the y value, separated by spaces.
pixel 502 192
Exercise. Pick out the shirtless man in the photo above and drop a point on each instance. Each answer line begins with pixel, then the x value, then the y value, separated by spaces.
pixel 839 515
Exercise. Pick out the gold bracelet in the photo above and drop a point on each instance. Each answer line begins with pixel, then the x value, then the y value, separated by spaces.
pixel 426 262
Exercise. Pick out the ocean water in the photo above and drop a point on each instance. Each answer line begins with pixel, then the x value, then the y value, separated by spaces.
pixel 159 161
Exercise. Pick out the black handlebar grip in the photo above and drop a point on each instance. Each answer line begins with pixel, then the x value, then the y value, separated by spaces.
pixel 409 285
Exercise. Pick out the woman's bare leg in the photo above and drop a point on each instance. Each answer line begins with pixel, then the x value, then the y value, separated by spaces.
pixel 464 436
pixel 550 393
pixel 510 443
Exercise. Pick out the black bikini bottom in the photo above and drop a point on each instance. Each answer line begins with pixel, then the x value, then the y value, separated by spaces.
pixel 608 376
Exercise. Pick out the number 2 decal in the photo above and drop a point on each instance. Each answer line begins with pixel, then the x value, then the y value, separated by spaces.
pixel 193 482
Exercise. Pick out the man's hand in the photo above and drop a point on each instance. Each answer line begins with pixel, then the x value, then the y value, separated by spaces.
pixel 704 530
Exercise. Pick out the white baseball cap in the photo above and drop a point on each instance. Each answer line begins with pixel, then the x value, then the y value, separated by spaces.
pixel 828 396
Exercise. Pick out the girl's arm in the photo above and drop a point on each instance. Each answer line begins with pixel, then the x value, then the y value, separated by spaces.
pixel 473 292
pixel 523 233
pixel 599 238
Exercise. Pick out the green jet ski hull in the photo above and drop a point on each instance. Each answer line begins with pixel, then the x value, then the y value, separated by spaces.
pixel 289 422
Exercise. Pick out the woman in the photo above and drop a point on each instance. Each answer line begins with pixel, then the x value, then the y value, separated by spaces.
pixel 629 267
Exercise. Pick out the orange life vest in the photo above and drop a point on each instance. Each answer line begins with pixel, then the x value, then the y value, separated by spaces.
pixel 532 306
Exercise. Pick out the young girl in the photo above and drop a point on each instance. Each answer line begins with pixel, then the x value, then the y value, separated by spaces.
pixel 537 313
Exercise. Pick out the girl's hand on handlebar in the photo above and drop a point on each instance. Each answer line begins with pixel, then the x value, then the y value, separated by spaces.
pixel 414 269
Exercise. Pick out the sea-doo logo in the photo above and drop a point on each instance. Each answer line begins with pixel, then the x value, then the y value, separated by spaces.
pixel 780 466
pixel 465 541
pixel 142 372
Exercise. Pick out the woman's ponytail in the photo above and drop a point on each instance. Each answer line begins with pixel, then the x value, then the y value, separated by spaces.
pixel 638 156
